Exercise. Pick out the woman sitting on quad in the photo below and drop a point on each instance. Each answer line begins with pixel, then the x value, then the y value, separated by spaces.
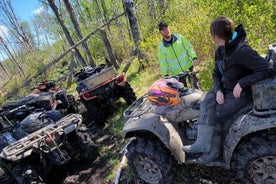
pixel 237 67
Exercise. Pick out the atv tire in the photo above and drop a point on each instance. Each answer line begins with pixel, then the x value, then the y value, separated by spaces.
pixel 63 98
pixel 96 112
pixel 81 147
pixel 127 93
pixel 89 150
pixel 150 161
pixel 73 106
pixel 254 161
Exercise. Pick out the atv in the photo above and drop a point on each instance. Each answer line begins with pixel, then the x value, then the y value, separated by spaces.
pixel 99 89
pixel 158 133
pixel 31 148
pixel 47 95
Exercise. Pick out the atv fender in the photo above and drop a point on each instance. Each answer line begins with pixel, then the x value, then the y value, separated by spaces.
pixel 160 127
pixel 243 126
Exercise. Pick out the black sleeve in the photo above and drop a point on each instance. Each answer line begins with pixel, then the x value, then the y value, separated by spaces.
pixel 261 69
pixel 216 73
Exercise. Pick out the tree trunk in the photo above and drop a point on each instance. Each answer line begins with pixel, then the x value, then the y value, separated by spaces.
pixel 9 53
pixel 151 9
pixel 135 29
pixel 107 44
pixel 66 32
pixel 16 28
pixel 78 31
pixel 79 9
pixel 6 73
pixel 162 8
pixel 71 70
pixel 133 22
pixel 119 25
pixel 105 15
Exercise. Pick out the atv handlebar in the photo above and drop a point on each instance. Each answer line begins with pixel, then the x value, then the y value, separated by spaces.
pixel 187 76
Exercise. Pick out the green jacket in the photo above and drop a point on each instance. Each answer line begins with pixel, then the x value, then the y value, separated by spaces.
pixel 176 57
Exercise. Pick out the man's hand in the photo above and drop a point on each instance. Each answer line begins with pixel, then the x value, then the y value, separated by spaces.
pixel 237 91
pixel 220 97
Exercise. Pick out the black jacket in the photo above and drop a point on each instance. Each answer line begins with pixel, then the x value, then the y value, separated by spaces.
pixel 237 62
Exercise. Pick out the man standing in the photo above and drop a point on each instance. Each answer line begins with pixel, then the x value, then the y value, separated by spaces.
pixel 175 53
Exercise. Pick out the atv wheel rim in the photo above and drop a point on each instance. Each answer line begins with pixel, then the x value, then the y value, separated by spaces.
pixel 263 170
pixel 147 169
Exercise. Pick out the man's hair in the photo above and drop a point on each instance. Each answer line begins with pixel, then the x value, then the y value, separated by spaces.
pixel 161 25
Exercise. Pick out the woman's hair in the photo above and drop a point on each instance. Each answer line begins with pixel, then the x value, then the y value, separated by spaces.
pixel 223 27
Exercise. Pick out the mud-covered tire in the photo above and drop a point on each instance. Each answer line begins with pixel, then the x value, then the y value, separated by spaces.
pixel 96 112
pixel 63 98
pixel 82 147
pixel 150 161
pixel 127 93
pixel 254 161
pixel 73 106
pixel 89 150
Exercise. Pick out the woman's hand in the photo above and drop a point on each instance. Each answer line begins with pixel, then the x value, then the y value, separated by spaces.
pixel 220 97
pixel 237 91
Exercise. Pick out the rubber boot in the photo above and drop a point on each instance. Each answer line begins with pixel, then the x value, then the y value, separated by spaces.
pixel 214 152
pixel 203 142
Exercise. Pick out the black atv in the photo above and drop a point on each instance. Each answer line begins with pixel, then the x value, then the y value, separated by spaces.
pixel 99 89
pixel 48 96
pixel 43 140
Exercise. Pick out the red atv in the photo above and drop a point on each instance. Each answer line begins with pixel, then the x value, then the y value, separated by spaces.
pixel 99 89
pixel 63 100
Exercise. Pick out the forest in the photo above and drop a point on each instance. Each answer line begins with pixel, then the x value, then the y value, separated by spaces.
pixel 89 32
pixel 67 35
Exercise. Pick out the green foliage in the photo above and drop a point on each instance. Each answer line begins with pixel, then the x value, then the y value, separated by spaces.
pixel 190 18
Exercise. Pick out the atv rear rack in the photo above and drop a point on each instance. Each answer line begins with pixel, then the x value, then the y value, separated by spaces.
pixel 24 147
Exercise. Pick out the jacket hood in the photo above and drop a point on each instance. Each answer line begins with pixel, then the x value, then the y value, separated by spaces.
pixel 241 36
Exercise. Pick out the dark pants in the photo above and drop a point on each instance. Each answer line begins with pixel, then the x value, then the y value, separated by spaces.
pixel 211 112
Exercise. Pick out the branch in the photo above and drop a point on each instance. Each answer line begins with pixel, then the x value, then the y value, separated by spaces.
pixel 54 61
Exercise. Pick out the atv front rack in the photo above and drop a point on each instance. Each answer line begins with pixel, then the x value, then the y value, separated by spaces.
pixel 24 147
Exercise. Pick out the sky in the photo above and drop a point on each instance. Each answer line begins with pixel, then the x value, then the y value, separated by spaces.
pixel 25 9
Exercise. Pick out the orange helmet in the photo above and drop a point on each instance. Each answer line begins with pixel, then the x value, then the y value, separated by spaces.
pixel 164 92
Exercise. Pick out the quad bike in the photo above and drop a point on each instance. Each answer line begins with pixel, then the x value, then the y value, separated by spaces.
pixel 47 96
pixel 44 140
pixel 158 133
pixel 99 89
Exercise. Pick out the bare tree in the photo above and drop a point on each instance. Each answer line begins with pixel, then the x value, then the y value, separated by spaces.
pixel 119 25
pixel 11 56
pixel 77 28
pixel 152 9
pixel 16 28
pixel 66 32
pixel 109 48
pixel 162 8
pixel 5 73
pixel 79 8
pixel 135 29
